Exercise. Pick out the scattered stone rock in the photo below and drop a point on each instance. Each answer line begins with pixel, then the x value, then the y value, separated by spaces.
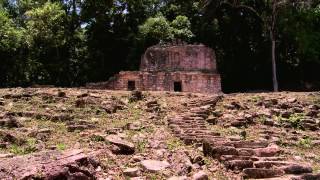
pixel 178 178
pixel 291 100
pixel 83 95
pixel 9 122
pixel 201 175
pixel 153 106
pixel 79 125
pixel 270 151
pixel 137 158
pixel 198 160
pixel 2 102
pixel 286 114
pixel 313 113
pixel 3 145
pixel 114 131
pixel 212 120
pixel 135 126
pixel 309 126
pixel 73 164
pixel 314 107
pixel 62 94
pixel 239 123
pixel 297 110
pixel 268 122
pixel 80 103
pixel 154 166
pixel 131 172
pixel 10 155
pixel 9 138
pixel 124 147
pixel 135 96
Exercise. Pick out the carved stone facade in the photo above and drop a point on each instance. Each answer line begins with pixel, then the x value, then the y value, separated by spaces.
pixel 185 68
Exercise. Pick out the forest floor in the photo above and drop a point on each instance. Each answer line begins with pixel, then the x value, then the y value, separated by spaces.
pixel 95 134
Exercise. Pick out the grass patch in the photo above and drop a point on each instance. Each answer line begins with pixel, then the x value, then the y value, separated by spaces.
pixel 305 143
pixel 97 138
pixel 256 99
pixel 141 145
pixel 294 120
pixel 226 131
pixel 28 148
pixel 61 146
pixel 174 144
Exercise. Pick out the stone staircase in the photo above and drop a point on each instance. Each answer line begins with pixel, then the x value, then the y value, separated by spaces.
pixel 253 159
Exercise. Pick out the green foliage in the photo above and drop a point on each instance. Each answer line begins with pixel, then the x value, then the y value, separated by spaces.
pixel 305 143
pixel 157 28
pixel 174 144
pixel 97 138
pixel 61 146
pixel 294 120
pixel 46 24
pixel 28 148
pixel 160 28
pixel 11 36
pixel 181 28
pixel 141 145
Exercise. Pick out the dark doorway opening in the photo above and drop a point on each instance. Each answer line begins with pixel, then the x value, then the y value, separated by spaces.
pixel 131 85
pixel 177 86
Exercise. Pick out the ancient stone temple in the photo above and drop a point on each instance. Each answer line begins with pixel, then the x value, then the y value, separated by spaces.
pixel 180 68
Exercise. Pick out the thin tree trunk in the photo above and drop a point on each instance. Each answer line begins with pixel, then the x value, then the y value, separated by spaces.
pixel 274 66
pixel 273 46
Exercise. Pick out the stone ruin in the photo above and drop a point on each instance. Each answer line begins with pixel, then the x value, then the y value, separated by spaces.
pixel 177 67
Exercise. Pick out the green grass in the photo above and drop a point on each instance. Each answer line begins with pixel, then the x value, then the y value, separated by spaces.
pixel 305 143
pixel 174 144
pixel 294 120
pixel 256 98
pixel 225 131
pixel 141 145
pixel 97 138
pixel 28 148
pixel 61 146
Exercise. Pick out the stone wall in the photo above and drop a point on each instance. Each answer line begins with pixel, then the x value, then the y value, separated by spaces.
pixel 179 58
pixel 164 81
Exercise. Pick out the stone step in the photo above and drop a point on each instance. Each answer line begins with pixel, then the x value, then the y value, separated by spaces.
pixel 238 164
pixel 250 144
pixel 259 173
pixel 272 158
pixel 297 169
pixel 270 164
pixel 233 157
pixel 307 176
pixel 256 159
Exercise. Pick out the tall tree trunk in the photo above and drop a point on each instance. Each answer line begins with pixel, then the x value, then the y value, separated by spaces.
pixel 274 65
pixel 273 46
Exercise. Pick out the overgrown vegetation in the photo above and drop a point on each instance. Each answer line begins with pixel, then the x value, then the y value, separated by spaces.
pixel 305 143
pixel 26 148
pixel 174 143
pixel 294 120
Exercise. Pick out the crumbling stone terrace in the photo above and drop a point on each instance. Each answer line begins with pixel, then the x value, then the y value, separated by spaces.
pixel 179 68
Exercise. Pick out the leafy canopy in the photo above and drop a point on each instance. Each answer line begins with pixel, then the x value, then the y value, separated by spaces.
pixel 45 24
pixel 10 35
pixel 161 29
